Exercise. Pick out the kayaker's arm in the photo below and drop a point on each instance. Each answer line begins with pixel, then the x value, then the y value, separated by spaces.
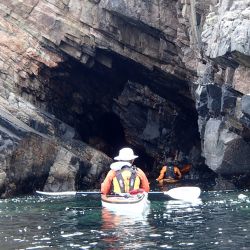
pixel 185 169
pixel 144 180
pixel 162 173
pixel 106 185
pixel 177 172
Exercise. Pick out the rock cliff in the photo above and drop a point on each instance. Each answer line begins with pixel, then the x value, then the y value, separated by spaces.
pixel 81 78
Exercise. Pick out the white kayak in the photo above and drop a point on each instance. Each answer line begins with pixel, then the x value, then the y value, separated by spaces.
pixel 126 203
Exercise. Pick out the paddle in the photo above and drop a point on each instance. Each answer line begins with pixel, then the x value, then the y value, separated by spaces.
pixel 179 193
pixel 67 193
pixel 184 193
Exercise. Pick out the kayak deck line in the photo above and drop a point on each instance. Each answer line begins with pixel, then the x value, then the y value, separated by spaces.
pixel 114 199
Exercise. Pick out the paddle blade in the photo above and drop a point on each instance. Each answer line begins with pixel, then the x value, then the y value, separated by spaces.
pixel 184 193
pixel 66 193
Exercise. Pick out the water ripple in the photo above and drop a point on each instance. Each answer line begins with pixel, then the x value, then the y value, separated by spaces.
pixel 219 220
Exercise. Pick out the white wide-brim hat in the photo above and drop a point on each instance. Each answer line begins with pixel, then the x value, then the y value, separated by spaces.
pixel 126 154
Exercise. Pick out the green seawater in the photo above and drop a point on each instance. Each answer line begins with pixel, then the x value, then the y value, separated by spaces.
pixel 219 220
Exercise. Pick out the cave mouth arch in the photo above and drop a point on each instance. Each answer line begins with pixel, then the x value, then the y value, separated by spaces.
pixel 86 98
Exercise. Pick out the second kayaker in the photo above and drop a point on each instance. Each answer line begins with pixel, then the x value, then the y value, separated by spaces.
pixel 169 173
pixel 124 176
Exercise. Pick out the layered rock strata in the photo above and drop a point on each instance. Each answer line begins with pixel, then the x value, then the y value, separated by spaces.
pixel 81 78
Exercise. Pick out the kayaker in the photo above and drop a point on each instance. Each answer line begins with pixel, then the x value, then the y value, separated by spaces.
pixel 169 173
pixel 124 176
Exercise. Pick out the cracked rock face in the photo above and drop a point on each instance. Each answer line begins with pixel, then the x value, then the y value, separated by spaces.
pixel 223 87
pixel 226 29
pixel 81 78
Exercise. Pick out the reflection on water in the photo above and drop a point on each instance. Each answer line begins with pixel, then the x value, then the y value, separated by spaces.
pixel 116 226
pixel 179 206
pixel 219 220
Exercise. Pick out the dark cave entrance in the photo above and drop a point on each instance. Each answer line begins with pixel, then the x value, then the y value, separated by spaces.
pixel 84 97
pixel 108 130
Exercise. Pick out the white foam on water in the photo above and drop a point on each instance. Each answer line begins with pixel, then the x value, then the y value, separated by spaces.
pixel 71 235
pixel 242 196
pixel 167 246
pixel 155 235
pixel 37 247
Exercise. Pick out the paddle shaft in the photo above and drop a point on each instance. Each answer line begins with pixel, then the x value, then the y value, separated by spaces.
pixel 78 193
pixel 91 192
pixel 151 192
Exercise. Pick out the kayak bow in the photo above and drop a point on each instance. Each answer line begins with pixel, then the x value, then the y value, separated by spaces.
pixel 128 203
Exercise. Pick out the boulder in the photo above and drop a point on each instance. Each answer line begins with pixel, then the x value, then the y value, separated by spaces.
pixel 226 152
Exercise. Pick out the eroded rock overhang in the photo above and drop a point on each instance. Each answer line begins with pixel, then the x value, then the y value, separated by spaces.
pixel 83 78
pixel 92 76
